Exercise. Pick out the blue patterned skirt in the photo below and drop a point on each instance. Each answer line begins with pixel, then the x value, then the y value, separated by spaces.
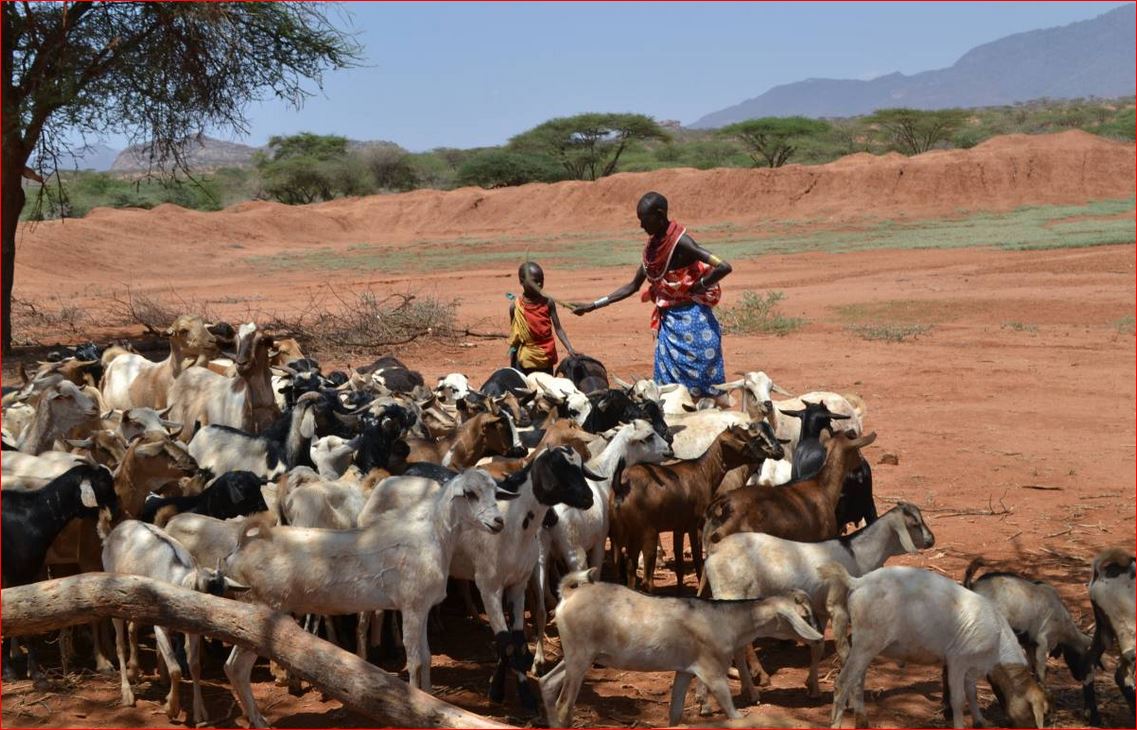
pixel 689 349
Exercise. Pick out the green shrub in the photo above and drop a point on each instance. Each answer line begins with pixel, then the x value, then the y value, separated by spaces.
pixel 759 314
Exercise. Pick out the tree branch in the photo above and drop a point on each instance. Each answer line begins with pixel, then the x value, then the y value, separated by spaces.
pixel 365 688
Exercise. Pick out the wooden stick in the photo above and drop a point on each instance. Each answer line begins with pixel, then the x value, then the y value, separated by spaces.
pixel 363 687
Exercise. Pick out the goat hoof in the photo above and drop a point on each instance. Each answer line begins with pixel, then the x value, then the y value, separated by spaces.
pixel 763 680
pixel 705 711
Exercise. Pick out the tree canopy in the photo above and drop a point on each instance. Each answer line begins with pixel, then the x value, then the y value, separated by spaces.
pixel 771 141
pixel 159 73
pixel 913 131
pixel 588 146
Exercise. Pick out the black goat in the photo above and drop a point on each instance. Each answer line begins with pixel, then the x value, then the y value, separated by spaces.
pixel 31 520
pixel 381 438
pixel 232 494
pixel 587 373
pixel 505 380
pixel 613 407
pixel 856 500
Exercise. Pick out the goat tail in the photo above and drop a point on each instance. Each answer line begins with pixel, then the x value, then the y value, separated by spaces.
pixel 969 574
pixel 256 527
pixel 111 353
pixel 858 404
pixel 704 586
pixel 837 603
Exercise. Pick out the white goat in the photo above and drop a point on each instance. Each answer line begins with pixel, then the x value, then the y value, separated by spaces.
pixel 579 534
pixel 1036 613
pixel 452 388
pixel 136 548
pixel 1112 597
pixel 504 564
pixel 400 561
pixel 59 409
pixel 333 454
pixel 753 564
pixel 623 629
pixel 917 616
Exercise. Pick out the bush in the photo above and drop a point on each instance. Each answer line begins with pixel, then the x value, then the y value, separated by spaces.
pixel 496 168
pixel 759 314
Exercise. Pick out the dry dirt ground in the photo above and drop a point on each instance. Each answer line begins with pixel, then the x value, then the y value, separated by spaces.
pixel 1012 420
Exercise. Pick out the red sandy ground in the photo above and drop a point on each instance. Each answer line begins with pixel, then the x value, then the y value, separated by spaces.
pixel 980 414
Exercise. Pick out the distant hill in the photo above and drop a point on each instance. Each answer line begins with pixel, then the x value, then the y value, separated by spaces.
pixel 1094 57
pixel 207 154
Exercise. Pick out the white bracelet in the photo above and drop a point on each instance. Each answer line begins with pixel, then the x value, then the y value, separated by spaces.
pixel 600 302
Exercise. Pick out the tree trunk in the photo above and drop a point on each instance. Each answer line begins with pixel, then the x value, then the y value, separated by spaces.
pixel 363 687
pixel 13 203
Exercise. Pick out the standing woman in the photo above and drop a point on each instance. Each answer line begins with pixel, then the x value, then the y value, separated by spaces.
pixel 683 283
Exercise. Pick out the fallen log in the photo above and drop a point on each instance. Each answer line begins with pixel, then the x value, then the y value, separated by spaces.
pixel 360 686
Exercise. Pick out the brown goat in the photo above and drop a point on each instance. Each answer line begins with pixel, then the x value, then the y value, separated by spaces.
pixel 482 435
pixel 804 511
pixel 650 498
pixel 564 432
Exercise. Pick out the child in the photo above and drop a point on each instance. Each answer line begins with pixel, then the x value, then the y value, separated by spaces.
pixel 533 319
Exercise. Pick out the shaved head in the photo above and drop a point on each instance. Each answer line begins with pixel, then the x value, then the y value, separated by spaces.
pixel 530 270
pixel 651 201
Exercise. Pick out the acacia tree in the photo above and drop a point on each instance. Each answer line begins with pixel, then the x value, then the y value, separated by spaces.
pixel 159 73
pixel 588 146
pixel 771 141
pixel 914 131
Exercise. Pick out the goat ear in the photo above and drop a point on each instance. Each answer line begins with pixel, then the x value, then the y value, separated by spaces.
pixel 308 424
pixel 800 627
pixel 839 416
pixel 593 575
pixel 668 387
pixel 87 494
pixel 79 443
pixel 780 390
pixel 905 538
pixel 689 408
pixel 730 386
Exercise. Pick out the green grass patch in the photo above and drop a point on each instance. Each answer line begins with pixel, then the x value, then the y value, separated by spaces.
pixel 759 314
pixel 889 331
pixel 1035 227
pixel 1127 325
pixel 1020 327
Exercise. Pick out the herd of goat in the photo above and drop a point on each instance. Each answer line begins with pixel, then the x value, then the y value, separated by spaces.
pixel 236 466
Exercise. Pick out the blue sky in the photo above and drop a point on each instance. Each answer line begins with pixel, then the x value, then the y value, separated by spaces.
pixel 473 74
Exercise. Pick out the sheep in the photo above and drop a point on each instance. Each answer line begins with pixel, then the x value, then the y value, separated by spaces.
pixel 753 564
pixel 136 548
pixel 400 561
pixel 131 380
pixel 232 494
pixel 32 520
pixel 504 563
pixel 244 402
pixel 651 498
pixel 58 410
pixel 1112 598
pixel 804 511
pixel 1037 616
pixel 692 637
pixel 915 615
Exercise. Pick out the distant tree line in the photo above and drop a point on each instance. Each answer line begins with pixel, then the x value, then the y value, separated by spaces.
pixel 306 168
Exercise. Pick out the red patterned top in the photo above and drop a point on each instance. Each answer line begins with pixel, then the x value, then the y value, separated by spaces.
pixel 669 287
